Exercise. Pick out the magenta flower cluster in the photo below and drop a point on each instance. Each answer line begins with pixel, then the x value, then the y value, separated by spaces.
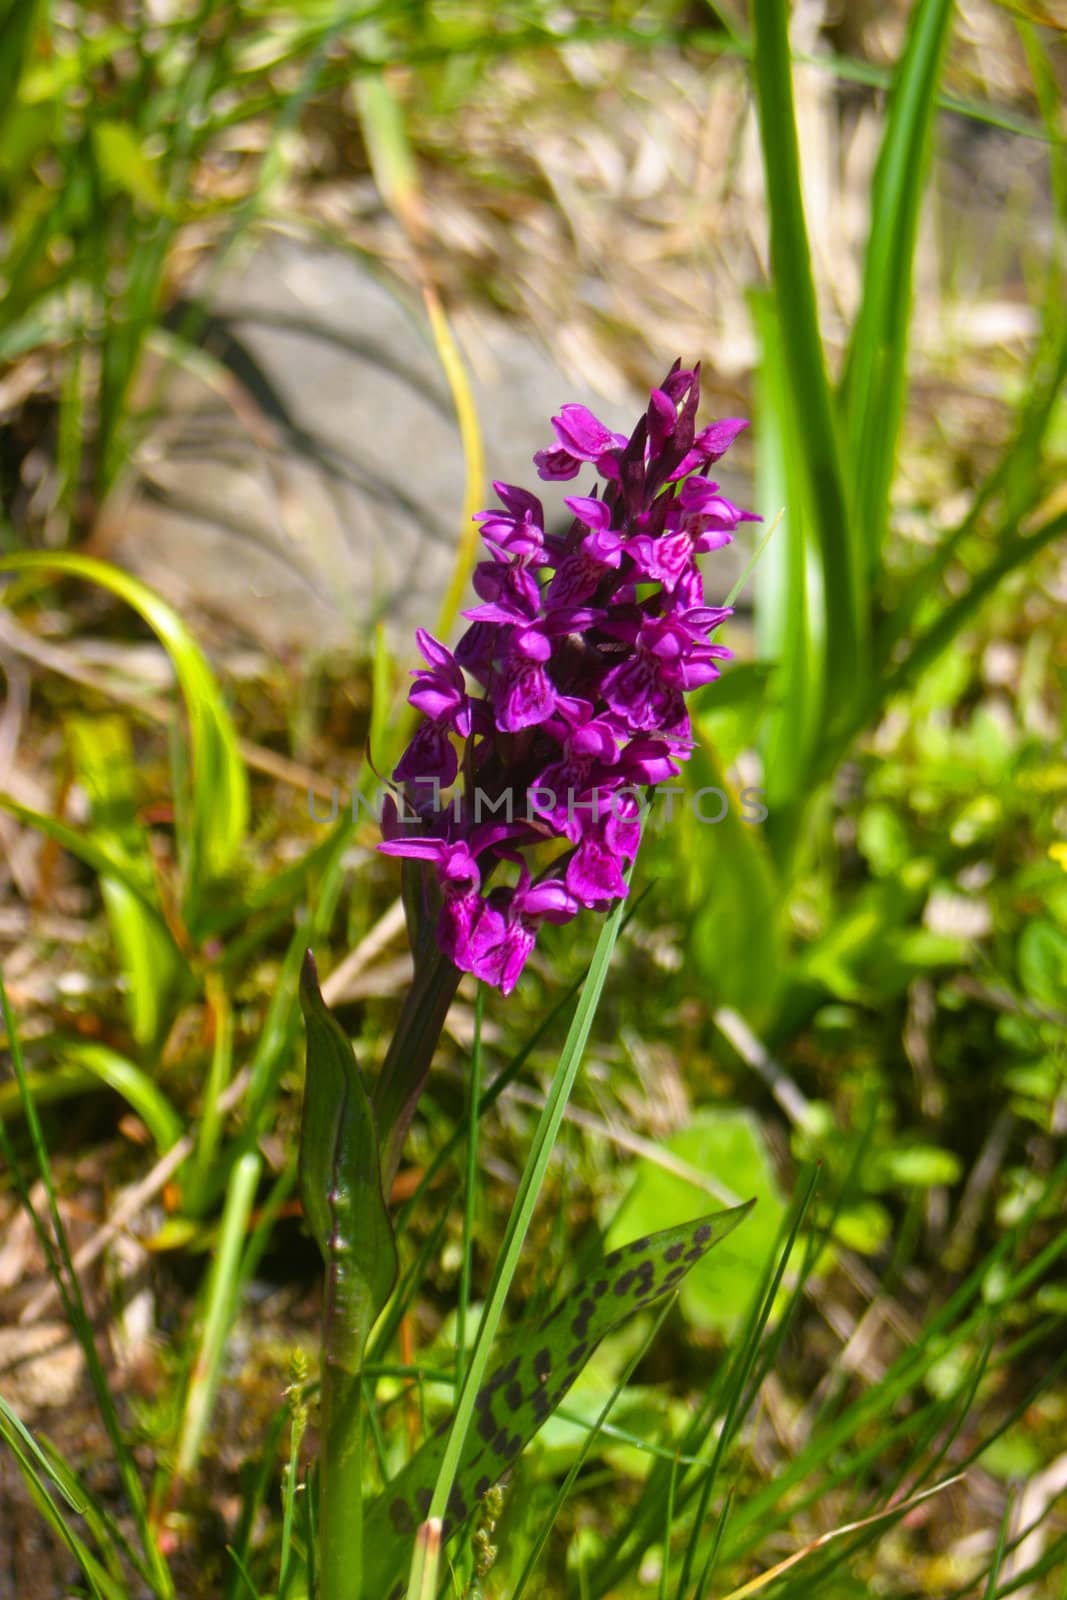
pixel 583 647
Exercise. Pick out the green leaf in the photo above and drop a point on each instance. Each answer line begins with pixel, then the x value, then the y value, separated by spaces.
pixel 916 1166
pixel 728 1143
pixel 149 959
pixel 731 879
pixel 128 1080
pixel 790 593
pixel 16 32
pixel 212 827
pixel 124 164
pixel 1043 964
pixel 534 1367
pixel 340 1179
pixel 38 1472
pixel 872 393
pixel 808 396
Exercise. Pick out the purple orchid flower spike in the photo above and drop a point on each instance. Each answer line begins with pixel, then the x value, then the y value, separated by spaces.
pixel 584 647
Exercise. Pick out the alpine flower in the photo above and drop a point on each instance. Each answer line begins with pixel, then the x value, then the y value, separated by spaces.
pixel 565 698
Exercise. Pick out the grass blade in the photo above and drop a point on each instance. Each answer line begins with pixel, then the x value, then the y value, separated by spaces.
pixel 804 367
pixel 219 810
pixel 873 386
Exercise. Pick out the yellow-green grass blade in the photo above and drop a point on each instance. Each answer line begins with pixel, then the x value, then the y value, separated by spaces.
pixel 217 815
pixel 149 959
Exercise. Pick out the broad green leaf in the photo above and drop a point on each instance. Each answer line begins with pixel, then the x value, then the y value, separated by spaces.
pixel 124 164
pixel 340 1181
pixel 789 589
pixel 727 1144
pixel 731 879
pixel 212 827
pixel 534 1367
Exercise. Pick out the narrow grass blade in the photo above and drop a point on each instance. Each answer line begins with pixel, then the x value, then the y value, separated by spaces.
pixel 104 1065
pixel 803 362
pixel 57 1254
pixel 35 1469
pixel 218 813
pixel 148 957
pixel 755 1585
pixel 873 387
pixel 100 855
pixel 220 1305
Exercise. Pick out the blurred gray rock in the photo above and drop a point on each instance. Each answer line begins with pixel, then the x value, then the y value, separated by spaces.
pixel 307 481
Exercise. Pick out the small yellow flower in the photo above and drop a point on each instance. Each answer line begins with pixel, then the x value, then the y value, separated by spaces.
pixel 1058 852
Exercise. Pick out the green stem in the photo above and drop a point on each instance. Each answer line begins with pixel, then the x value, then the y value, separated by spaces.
pixel 410 1054
pixel 340 1484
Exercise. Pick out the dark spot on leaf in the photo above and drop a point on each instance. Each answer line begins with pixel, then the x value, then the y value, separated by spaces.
pixel 703 1233
pixel 639 1246
pixel 513 1395
pixel 423 1498
pixel 504 1375
pixel 457 1505
pixel 600 1288
pixel 623 1282
pixel 542 1364
pixel 613 1260
pixel 552 1315
pixel 674 1253
pixel 397 1591
pixel 540 1404
pixel 482 1487
pixel 672 1277
pixel 581 1321
pixel 694 1254
pixel 486 1424
pixel 513 1446
pixel 500 1443
pixel 575 1355
pixel 400 1516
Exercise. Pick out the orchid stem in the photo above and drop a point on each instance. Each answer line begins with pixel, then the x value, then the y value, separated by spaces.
pixel 410 1055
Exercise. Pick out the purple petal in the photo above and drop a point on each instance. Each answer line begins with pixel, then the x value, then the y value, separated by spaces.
pixel 584 435
pixel 437 654
pixel 594 876
pixel 528 697
pixel 556 466
pixel 590 511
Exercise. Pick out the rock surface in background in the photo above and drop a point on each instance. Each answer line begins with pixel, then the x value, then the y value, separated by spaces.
pixel 314 483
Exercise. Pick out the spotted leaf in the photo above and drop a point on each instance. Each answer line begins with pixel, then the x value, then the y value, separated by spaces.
pixel 538 1362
